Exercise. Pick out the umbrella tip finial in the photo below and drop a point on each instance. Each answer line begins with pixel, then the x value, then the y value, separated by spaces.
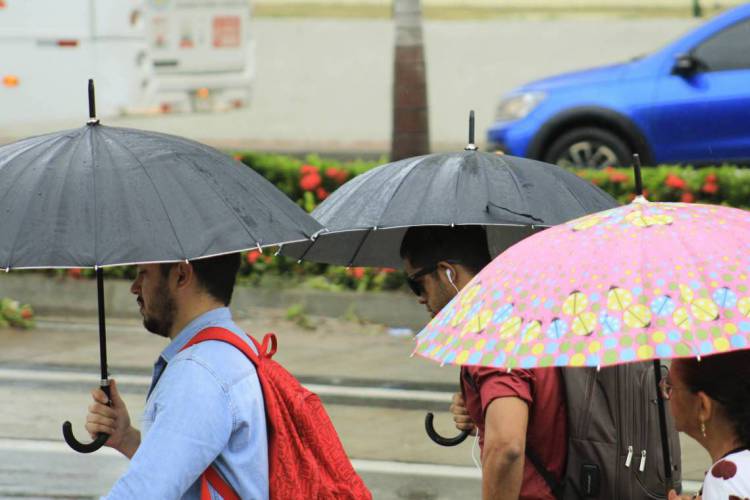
pixel 471 146
pixel 93 120
pixel 637 174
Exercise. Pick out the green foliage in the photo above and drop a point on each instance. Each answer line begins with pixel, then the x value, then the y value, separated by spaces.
pixel 297 314
pixel 17 315
pixel 725 185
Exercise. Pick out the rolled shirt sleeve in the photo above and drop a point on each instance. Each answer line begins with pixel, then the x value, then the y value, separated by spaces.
pixel 188 426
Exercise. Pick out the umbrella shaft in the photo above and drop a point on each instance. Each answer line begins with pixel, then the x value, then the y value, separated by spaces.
pixel 102 324
pixel 663 428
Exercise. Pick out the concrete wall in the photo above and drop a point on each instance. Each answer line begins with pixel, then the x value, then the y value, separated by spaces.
pixel 78 297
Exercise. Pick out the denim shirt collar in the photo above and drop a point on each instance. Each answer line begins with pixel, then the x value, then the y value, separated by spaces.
pixel 206 319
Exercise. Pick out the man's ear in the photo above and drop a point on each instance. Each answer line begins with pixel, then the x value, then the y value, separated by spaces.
pixel 183 274
pixel 447 272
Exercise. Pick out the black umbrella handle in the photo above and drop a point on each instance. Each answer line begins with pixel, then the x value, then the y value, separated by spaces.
pixel 443 441
pixel 101 438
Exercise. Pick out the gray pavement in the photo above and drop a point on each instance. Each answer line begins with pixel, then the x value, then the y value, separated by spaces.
pixel 336 351
pixel 325 85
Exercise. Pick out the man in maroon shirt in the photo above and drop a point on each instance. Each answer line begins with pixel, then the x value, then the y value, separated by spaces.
pixel 520 415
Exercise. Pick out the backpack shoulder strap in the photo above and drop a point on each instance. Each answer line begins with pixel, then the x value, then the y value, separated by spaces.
pixel 211 476
pixel 217 482
pixel 554 485
pixel 224 335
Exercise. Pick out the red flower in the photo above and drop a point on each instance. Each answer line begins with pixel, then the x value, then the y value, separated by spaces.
pixel 336 174
pixel 321 193
pixel 675 182
pixel 308 169
pixel 252 256
pixel 618 177
pixel 311 181
pixel 238 157
pixel 387 270
pixel 356 272
pixel 687 197
pixel 27 313
pixel 268 259
pixel 710 188
pixel 711 178
pixel 74 273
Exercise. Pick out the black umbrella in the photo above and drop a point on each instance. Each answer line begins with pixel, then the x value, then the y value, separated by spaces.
pixel 365 219
pixel 101 196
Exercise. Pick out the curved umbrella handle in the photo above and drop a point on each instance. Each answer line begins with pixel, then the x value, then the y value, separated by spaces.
pixel 101 438
pixel 440 439
pixel 80 447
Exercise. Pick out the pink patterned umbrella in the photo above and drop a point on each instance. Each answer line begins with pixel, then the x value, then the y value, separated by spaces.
pixel 638 282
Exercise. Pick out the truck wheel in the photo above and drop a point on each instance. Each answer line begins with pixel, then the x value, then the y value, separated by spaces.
pixel 588 147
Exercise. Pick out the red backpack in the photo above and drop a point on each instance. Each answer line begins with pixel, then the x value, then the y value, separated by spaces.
pixel 305 457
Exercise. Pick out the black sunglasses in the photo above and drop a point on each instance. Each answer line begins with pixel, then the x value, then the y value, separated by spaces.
pixel 416 286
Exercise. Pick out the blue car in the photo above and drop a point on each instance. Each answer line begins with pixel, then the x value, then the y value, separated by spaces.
pixel 687 103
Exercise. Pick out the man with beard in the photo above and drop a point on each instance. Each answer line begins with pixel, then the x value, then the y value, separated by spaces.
pixel 520 415
pixel 205 405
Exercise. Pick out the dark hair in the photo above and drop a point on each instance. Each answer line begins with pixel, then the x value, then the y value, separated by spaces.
pixel 217 275
pixel 428 245
pixel 725 378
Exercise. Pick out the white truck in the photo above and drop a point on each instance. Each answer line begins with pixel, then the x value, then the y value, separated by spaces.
pixel 50 48
pixel 203 53
pixel 145 56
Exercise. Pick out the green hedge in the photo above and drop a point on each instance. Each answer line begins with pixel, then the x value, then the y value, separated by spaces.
pixel 310 180
pixel 726 185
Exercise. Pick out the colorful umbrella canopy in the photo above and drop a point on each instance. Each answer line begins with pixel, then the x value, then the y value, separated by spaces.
pixel 638 282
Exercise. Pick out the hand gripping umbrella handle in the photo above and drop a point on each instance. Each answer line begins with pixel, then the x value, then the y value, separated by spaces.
pixel 101 438
pixel 440 439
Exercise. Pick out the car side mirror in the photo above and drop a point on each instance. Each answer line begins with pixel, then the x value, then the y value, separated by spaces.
pixel 685 65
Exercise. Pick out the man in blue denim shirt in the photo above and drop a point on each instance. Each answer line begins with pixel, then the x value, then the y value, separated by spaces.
pixel 205 406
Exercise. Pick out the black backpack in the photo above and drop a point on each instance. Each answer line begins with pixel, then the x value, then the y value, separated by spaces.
pixel 614 441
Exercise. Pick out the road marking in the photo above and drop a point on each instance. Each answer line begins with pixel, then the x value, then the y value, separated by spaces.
pixel 46 446
pixel 361 465
pixel 323 390
pixel 369 466
pixel 416 469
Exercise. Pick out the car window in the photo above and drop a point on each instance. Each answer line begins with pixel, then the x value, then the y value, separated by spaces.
pixel 728 49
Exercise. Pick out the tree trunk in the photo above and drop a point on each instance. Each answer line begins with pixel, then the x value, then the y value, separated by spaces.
pixel 411 135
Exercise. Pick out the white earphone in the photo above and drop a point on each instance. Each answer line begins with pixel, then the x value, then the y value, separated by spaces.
pixel 449 275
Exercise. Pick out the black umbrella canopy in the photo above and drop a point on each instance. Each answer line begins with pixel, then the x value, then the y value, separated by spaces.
pixel 366 218
pixel 104 196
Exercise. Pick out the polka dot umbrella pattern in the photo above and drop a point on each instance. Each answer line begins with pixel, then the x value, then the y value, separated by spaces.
pixel 638 282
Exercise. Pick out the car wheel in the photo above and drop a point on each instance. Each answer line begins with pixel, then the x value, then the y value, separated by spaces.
pixel 588 147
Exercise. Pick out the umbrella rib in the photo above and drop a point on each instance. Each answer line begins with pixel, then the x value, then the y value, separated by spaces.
pixel 359 247
pixel 209 150
pixel 15 238
pixel 153 184
pixel 218 195
pixel 512 176
pixel 95 214
pixel 412 168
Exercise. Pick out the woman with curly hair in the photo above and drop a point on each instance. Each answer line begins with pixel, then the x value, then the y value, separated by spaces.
pixel 710 402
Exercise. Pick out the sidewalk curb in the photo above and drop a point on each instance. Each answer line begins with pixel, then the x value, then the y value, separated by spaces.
pixel 62 296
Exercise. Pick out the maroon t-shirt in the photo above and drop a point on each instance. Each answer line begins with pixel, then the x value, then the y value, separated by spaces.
pixel 547 432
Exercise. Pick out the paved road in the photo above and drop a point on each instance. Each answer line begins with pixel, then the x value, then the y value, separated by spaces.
pixel 325 85
pixel 45 376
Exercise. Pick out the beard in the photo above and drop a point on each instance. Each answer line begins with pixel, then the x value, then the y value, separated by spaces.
pixel 161 318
